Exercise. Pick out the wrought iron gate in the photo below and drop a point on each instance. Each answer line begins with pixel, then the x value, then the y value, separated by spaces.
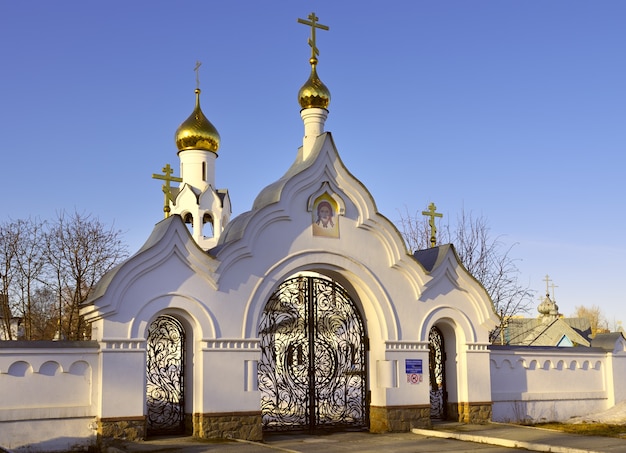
pixel 312 372
pixel 436 367
pixel 165 376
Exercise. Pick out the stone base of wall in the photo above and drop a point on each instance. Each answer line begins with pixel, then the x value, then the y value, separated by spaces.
pixel 470 412
pixel 188 424
pixel 128 428
pixel 228 425
pixel 384 419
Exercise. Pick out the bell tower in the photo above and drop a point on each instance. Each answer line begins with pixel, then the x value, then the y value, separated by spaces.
pixel 203 207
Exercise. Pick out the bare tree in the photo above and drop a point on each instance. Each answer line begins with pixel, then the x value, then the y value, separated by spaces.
pixel 47 269
pixel 488 259
pixel 9 234
pixel 595 316
pixel 80 250
pixel 29 263
pixel 44 316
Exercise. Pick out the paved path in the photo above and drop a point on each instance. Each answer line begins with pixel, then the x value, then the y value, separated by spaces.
pixel 448 437
pixel 526 437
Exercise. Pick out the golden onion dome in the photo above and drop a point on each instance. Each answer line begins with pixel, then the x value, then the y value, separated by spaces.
pixel 314 94
pixel 197 132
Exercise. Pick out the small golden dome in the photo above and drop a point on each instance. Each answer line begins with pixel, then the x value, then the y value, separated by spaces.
pixel 314 94
pixel 197 132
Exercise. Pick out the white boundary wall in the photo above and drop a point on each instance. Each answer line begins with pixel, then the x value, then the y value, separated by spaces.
pixel 49 391
pixel 48 395
pixel 535 384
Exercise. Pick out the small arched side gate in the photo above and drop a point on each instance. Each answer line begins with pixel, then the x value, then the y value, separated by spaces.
pixel 312 372
pixel 165 366
pixel 437 374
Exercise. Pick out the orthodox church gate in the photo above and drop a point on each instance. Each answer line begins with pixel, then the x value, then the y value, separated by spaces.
pixel 165 377
pixel 312 372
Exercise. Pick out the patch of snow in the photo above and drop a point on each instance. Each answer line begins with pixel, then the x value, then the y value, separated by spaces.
pixel 613 416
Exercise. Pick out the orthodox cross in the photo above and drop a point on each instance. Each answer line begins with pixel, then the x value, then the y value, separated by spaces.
pixel 197 70
pixel 547 280
pixel 553 286
pixel 433 229
pixel 312 22
pixel 168 178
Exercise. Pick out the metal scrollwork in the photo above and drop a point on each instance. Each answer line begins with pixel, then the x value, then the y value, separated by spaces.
pixel 437 375
pixel 165 384
pixel 312 372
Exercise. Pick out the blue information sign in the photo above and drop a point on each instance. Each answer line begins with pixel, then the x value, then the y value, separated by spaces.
pixel 413 366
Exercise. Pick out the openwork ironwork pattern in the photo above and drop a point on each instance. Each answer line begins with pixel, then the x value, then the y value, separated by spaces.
pixel 312 372
pixel 437 375
pixel 165 383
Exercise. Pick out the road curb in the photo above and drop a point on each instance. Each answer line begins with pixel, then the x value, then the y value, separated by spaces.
pixel 533 446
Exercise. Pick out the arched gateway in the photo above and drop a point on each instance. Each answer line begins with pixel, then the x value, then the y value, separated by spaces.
pixel 312 372
pixel 265 353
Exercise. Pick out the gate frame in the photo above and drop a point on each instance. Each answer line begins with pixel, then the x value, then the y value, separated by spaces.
pixel 433 376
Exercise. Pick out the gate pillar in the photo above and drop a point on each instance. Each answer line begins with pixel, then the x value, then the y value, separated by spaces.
pixel 123 369
pixel 384 419
pixel 239 425
pixel 227 403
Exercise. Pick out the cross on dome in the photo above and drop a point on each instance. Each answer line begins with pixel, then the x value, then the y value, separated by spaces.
pixel 312 22
pixel 197 71
pixel 553 286
pixel 547 279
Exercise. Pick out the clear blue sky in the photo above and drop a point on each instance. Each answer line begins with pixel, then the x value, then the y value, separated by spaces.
pixel 514 110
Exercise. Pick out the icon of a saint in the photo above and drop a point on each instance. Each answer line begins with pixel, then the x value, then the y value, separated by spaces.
pixel 325 215
pixel 324 222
